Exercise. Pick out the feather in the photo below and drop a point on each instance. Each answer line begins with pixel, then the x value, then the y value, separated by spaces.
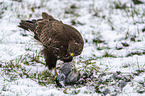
pixel 59 40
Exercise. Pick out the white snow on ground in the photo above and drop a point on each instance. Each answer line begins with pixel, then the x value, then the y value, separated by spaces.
pixel 114 26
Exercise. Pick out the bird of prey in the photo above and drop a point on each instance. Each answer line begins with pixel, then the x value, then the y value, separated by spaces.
pixel 60 41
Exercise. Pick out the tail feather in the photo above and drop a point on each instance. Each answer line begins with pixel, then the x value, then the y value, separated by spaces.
pixel 27 25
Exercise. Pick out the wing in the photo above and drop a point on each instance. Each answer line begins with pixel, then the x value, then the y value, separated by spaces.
pixel 54 34
pixel 49 32
pixel 73 34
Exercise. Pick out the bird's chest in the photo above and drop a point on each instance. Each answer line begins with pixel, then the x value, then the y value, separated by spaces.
pixel 62 52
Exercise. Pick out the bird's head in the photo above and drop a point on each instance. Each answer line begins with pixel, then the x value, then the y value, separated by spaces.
pixel 75 48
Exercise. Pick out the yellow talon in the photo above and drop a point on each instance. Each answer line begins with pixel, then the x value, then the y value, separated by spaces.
pixel 55 72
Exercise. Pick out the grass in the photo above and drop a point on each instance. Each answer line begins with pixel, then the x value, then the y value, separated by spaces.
pixel 108 55
pixel 15 70
pixel 26 66
pixel 75 22
pixel 119 5
pixel 3 7
pixel 135 53
pixel 137 2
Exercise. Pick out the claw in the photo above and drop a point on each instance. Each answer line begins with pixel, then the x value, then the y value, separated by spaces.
pixel 55 72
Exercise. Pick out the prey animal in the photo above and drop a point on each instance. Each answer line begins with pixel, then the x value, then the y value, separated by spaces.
pixel 68 74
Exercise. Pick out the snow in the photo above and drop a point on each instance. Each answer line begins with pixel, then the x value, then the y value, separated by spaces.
pixel 114 26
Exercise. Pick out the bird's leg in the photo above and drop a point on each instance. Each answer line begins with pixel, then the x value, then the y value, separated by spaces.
pixel 55 72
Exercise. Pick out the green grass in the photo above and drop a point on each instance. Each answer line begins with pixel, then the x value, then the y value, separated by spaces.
pixel 136 53
pixel 15 70
pixel 21 67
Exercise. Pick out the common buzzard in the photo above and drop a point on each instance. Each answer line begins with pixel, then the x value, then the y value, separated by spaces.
pixel 60 41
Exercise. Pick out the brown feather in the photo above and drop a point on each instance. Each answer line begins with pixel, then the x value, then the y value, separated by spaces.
pixel 50 58
pixel 46 16
pixel 58 39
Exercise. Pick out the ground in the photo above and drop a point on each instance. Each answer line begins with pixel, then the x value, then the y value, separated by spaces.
pixel 114 51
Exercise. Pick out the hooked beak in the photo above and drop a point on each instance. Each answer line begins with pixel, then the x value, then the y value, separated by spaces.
pixel 68 58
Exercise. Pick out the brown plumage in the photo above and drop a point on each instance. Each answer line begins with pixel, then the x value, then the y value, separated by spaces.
pixel 60 41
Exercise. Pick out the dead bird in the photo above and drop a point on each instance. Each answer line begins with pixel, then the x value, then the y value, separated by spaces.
pixel 68 74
